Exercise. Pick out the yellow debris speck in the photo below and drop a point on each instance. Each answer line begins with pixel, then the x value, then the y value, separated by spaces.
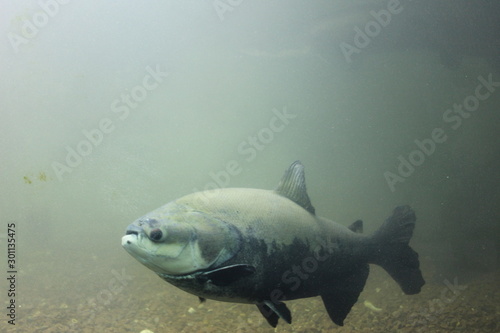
pixel 372 307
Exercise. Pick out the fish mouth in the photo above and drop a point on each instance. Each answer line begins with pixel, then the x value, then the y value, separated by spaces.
pixel 138 245
pixel 132 235
pixel 129 239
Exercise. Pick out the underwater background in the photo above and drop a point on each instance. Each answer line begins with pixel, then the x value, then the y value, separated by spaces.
pixel 111 109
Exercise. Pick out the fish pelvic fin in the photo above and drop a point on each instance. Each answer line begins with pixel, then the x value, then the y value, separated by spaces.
pixel 391 250
pixel 273 311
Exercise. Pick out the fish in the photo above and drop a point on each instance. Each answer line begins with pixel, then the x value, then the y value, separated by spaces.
pixel 265 247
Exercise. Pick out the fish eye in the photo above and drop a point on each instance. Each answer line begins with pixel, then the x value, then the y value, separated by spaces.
pixel 155 235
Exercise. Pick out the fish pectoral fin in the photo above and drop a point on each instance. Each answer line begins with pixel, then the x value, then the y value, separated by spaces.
pixel 274 311
pixel 338 301
pixel 227 275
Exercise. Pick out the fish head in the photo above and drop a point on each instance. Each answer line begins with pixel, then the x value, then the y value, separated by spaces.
pixel 177 240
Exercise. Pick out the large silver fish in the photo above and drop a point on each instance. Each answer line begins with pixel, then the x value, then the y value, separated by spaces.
pixel 265 247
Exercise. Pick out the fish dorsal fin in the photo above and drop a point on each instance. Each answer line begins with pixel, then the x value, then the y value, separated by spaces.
pixel 357 227
pixel 293 186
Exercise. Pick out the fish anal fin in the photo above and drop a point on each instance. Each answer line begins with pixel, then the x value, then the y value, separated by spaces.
pixel 339 300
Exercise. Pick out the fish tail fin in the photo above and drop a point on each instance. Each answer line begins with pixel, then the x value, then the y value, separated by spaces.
pixel 393 253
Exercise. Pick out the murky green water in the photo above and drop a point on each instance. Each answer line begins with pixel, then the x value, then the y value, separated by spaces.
pixel 109 111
